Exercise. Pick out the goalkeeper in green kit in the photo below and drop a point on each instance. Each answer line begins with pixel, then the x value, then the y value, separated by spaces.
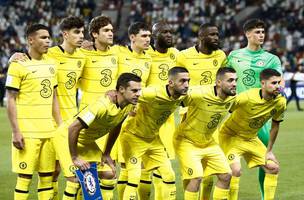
pixel 248 63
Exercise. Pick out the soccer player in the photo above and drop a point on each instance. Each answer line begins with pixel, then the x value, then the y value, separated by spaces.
pixel 196 149
pixel 100 75
pixel 31 106
pixel 133 59
pixel 248 63
pixel 203 60
pixel 163 56
pixel 238 135
pixel 78 147
pixel 155 106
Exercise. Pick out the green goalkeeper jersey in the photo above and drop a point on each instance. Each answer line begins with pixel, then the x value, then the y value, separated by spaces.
pixel 248 65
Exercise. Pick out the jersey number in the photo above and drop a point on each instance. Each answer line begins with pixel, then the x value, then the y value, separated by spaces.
pixel 215 119
pixel 46 90
pixel 206 78
pixel 137 72
pixel 163 74
pixel 106 80
pixel 72 80
pixel 249 78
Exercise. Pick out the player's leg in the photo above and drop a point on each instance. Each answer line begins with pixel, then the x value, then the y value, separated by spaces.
pixel 23 163
pixel 144 187
pixel 263 135
pixel 235 180
pixel 46 169
pixel 158 185
pixel 270 183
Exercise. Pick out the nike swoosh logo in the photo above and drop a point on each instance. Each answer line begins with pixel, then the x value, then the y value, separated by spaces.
pixel 209 104
pixel 61 63
pixel 34 71
pixel 94 61
pixel 195 63
pixel 128 59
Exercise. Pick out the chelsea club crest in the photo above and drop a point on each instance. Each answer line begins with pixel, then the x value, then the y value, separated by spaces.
pixel 89 182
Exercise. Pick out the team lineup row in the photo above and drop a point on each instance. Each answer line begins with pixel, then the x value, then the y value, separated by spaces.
pixel 42 88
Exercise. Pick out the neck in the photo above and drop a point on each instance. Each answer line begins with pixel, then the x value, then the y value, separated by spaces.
pixel 136 49
pixel 203 49
pixel 266 96
pixel 34 54
pixel 220 93
pixel 172 93
pixel 68 48
pixel 120 100
pixel 253 47
pixel 160 49
pixel 101 47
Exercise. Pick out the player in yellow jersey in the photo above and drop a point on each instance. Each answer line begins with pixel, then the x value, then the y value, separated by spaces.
pixel 196 149
pixel 31 106
pixel 78 147
pixel 155 106
pixel 203 60
pixel 238 135
pixel 100 75
pixel 163 56
pixel 134 59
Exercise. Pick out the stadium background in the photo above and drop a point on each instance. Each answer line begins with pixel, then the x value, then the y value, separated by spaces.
pixel 284 37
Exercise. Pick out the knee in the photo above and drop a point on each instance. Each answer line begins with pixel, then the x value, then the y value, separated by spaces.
pixel 194 184
pixel 237 172
pixel 72 179
pixel 225 177
pixel 107 175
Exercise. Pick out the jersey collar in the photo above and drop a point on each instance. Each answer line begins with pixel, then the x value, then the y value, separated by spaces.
pixel 167 90
pixel 60 47
pixel 215 92
pixel 28 55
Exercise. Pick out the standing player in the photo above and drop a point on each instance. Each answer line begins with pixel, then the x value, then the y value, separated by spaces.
pixel 99 75
pixel 248 63
pixel 155 106
pixel 133 59
pixel 31 102
pixel 163 58
pixel 238 135
pixel 203 61
pixel 78 147
pixel 195 146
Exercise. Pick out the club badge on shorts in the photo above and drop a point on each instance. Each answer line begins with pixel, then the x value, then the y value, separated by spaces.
pixel 89 183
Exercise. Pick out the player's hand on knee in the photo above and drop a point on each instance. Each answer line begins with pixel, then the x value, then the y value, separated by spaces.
pixel 18 140
pixel 106 159
pixel 81 164
pixel 271 156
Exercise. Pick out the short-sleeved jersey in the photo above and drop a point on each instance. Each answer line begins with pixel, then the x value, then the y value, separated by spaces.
pixel 99 118
pixel 248 65
pixel 161 63
pixel 154 107
pixel 202 67
pixel 35 81
pixel 206 111
pixel 69 71
pixel 132 62
pixel 99 74
pixel 250 112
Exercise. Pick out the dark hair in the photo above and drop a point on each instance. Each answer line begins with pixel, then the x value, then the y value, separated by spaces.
pixel 176 70
pixel 253 23
pixel 124 79
pixel 223 70
pixel 203 27
pixel 267 73
pixel 34 28
pixel 136 27
pixel 97 23
pixel 71 22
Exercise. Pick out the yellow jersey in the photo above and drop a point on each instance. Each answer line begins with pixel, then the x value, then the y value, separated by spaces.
pixel 154 107
pixel 161 63
pixel 206 111
pixel 69 71
pixel 132 62
pixel 250 112
pixel 202 67
pixel 35 81
pixel 99 74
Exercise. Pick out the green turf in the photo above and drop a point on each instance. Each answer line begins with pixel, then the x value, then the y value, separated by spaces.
pixel 289 150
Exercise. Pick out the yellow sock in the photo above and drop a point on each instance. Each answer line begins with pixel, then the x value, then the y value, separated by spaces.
pixel 234 188
pixel 107 187
pixel 270 185
pixel 158 184
pixel 144 187
pixel 206 188
pixel 122 182
pixel 191 195
pixel 79 195
pixel 55 188
pixel 169 190
pixel 130 192
pixel 45 187
pixel 220 193
pixel 70 191
pixel 22 188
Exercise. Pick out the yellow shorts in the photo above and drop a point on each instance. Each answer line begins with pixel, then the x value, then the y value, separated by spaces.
pixel 166 133
pixel 88 151
pixel 234 147
pixel 37 155
pixel 137 150
pixel 200 162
